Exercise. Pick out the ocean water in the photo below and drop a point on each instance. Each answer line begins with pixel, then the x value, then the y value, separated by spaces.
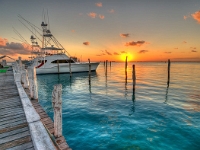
pixel 110 115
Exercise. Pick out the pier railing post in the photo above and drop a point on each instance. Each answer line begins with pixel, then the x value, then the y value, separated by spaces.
pixel 25 78
pixel 57 107
pixel 33 82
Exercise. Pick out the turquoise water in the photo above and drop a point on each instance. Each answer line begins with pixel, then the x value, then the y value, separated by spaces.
pixel 110 115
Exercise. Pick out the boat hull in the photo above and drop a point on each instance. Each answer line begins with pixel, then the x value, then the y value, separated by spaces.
pixel 64 68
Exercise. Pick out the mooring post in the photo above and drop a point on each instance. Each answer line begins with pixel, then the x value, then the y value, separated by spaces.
pixel 106 66
pixel 168 71
pixel 70 67
pixel 133 76
pixel 126 64
pixel 57 107
pixel 89 71
pixel 104 63
pixel 110 64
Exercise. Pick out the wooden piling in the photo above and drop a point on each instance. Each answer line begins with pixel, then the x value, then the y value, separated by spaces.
pixel 70 68
pixel 126 63
pixel 110 64
pixel 106 66
pixel 168 79
pixel 133 76
pixel 57 106
pixel 89 71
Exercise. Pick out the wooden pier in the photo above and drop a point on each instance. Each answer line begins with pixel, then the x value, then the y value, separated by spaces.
pixel 60 142
pixel 14 130
pixel 23 122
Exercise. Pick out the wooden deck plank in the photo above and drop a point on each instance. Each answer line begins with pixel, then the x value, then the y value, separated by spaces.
pixel 2 123
pixel 16 142
pixel 13 132
pixel 24 146
pixel 13 128
pixel 14 137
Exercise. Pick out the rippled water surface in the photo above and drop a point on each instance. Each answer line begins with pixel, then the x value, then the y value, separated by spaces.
pixel 110 115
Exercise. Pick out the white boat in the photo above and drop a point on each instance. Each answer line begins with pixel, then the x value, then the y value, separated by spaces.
pixel 54 59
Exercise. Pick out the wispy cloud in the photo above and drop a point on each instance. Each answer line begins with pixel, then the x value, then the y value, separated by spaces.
pixel 194 51
pixel 123 52
pixel 143 51
pixel 193 47
pixel 184 42
pixel 13 48
pixel 99 4
pixel 124 35
pixel 86 43
pixel 101 16
pixel 92 14
pixel 196 16
pixel 176 48
pixel 132 43
pixel 111 11
pixel 185 17
pixel 168 52
pixel 115 53
pixel 107 52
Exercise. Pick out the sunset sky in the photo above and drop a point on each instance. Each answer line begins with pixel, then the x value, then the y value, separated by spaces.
pixel 144 30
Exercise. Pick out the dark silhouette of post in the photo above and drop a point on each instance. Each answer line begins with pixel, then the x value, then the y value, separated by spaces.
pixel 133 75
pixel 126 64
pixel 89 71
pixel 168 79
pixel 106 66
pixel 70 67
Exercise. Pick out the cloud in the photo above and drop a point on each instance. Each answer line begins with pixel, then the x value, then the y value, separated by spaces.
pixel 185 17
pixel 101 16
pixel 115 53
pixel 193 51
pixel 196 16
pixel 107 52
pixel 193 47
pixel 111 11
pixel 86 43
pixel 138 43
pixel 143 51
pixel 123 52
pixel 168 52
pixel 92 14
pixel 13 48
pixel 176 48
pixel 184 42
pixel 99 4
pixel 124 35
